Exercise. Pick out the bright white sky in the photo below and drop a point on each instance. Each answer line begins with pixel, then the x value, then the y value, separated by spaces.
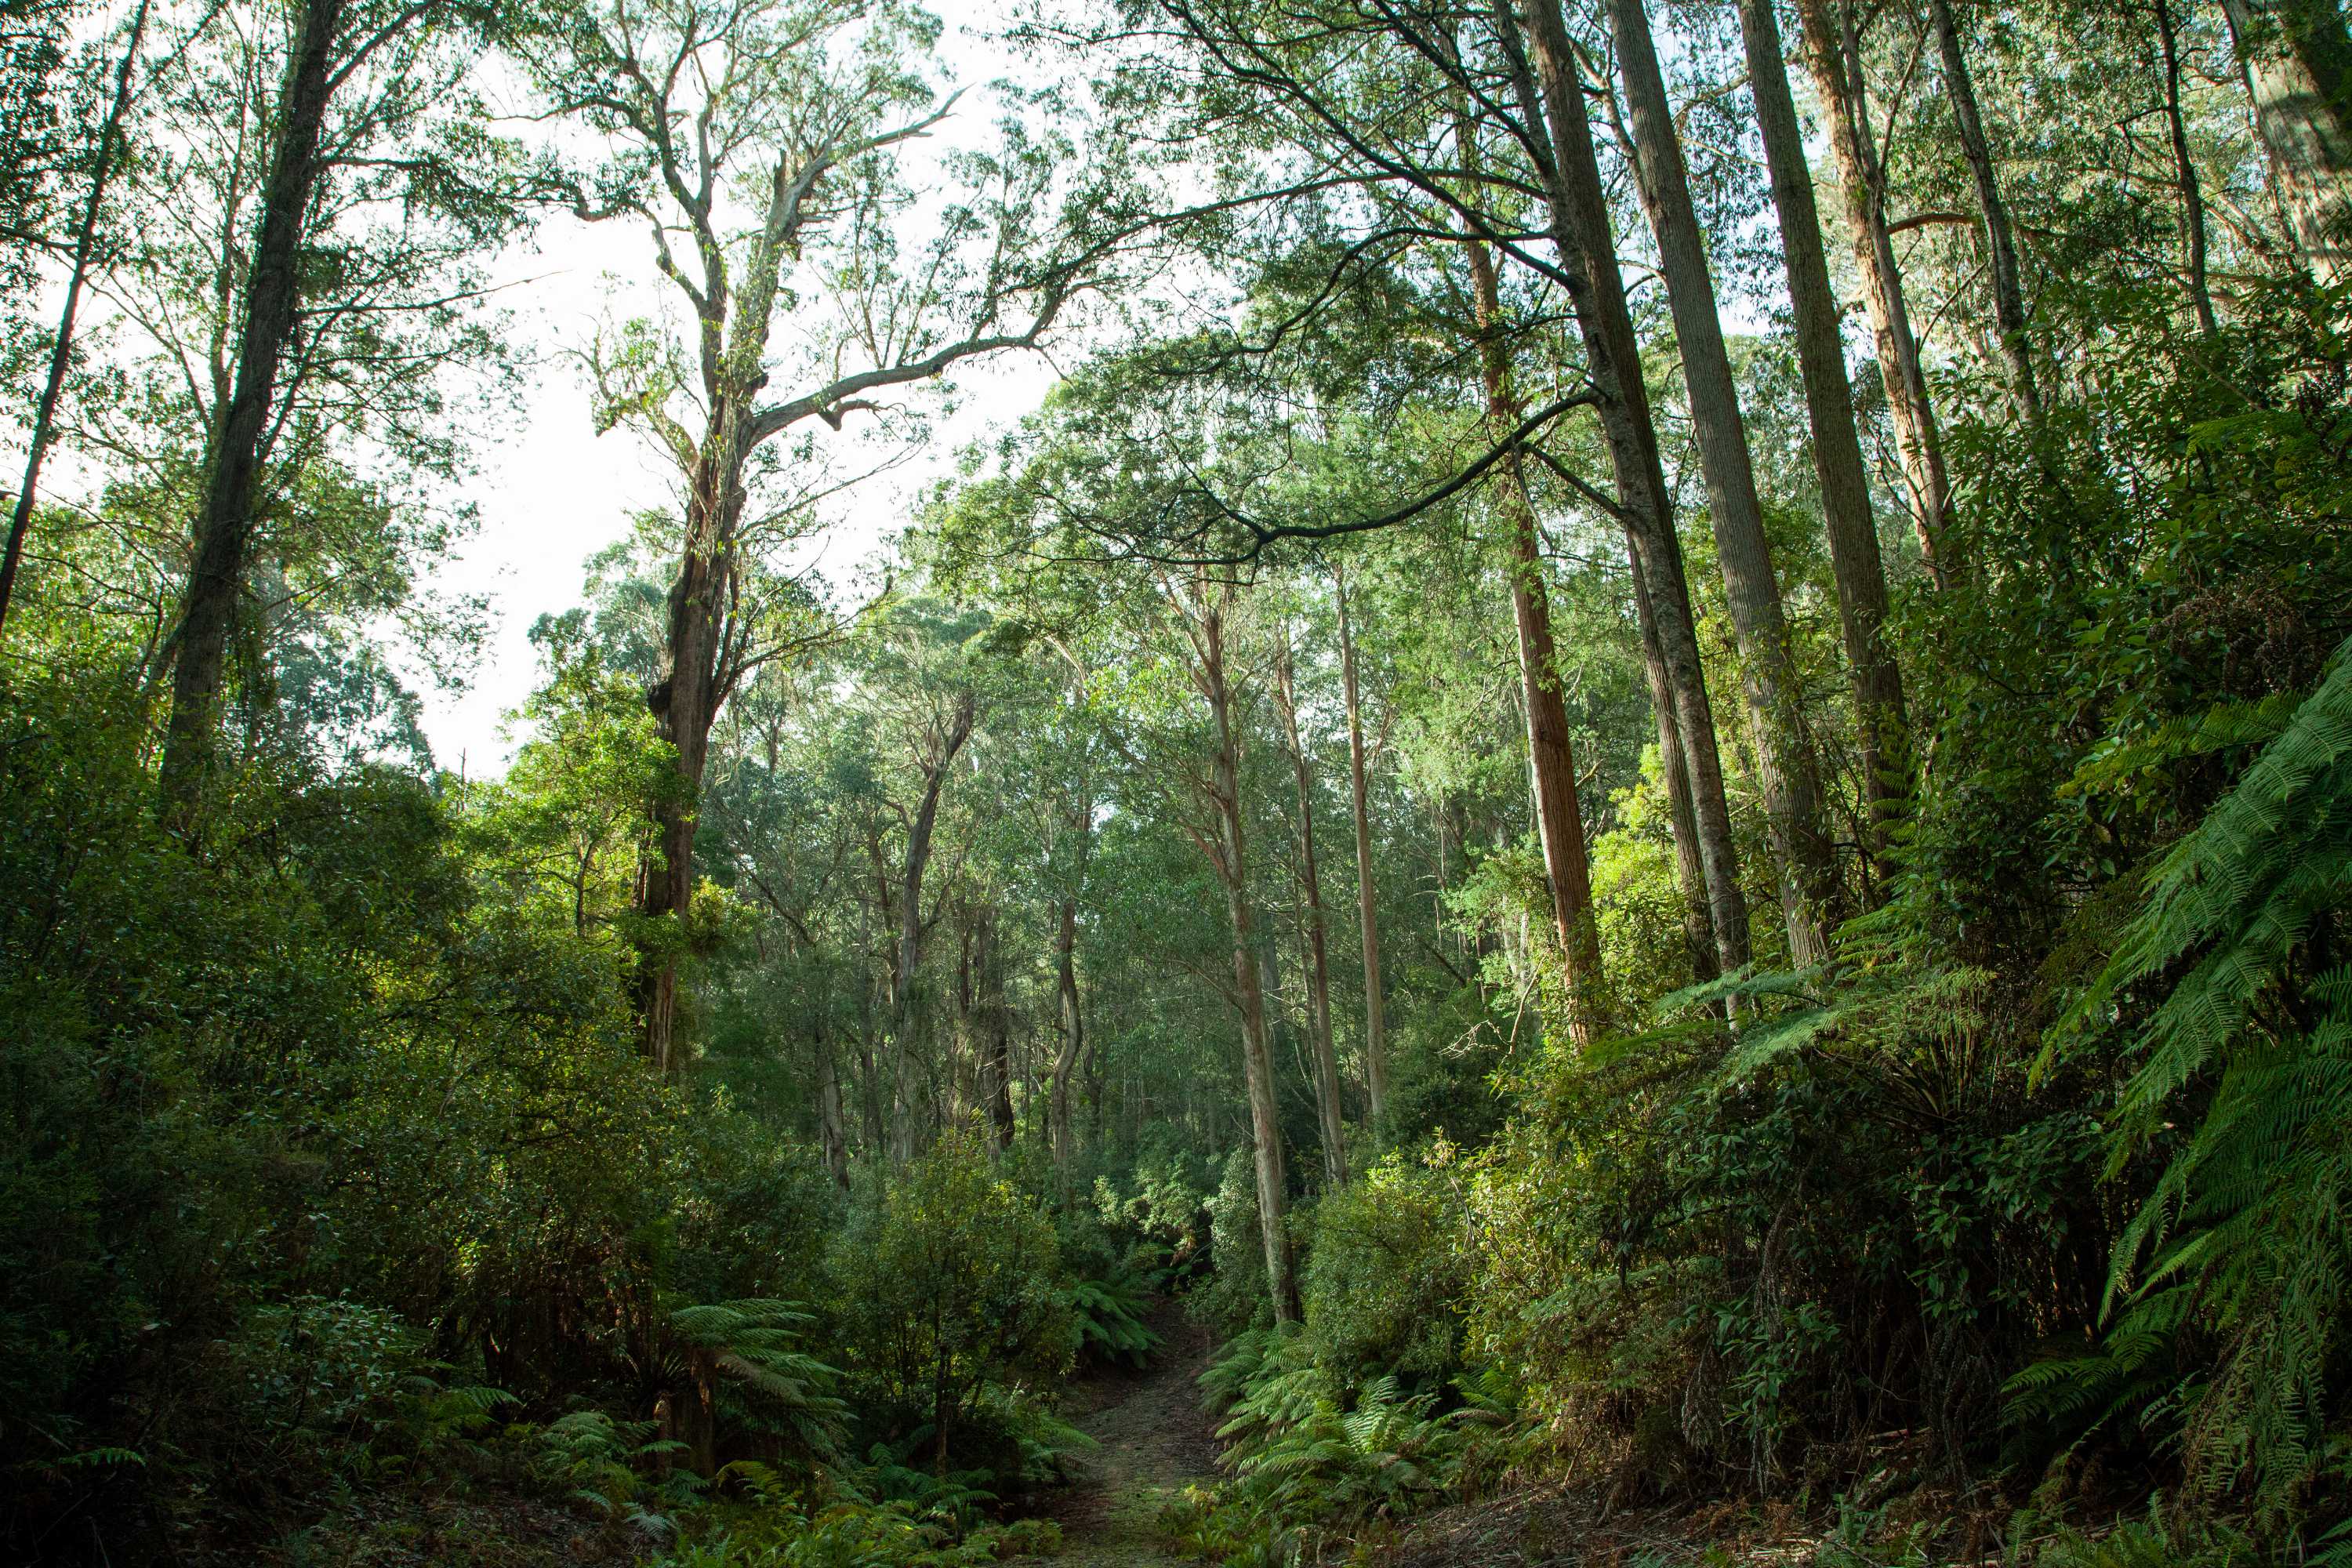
pixel 552 493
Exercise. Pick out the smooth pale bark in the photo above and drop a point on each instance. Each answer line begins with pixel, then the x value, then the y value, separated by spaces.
pixel 20 520
pixel 1579 211
pixel 1992 211
pixel 223 532
pixel 1827 51
pixel 2193 191
pixel 1786 772
pixel 1258 1057
pixel 906 1009
pixel 2298 64
pixel 1318 965
pixel 1376 1032
pixel 1551 757
pixel 1846 514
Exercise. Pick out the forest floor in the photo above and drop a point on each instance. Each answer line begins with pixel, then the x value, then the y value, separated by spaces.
pixel 1155 1440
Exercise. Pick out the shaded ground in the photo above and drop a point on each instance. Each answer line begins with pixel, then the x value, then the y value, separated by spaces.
pixel 1155 1440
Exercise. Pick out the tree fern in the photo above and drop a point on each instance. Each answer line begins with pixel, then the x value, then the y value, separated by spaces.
pixel 2243 1241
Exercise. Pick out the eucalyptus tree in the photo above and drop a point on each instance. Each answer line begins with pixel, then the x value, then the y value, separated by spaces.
pixel 1847 514
pixel 320 218
pixel 2297 59
pixel 760 145
pixel 33 66
pixel 1788 771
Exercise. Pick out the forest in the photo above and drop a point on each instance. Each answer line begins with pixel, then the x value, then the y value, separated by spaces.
pixel 1382 782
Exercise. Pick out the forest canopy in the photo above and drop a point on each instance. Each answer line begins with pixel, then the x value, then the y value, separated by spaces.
pixel 1373 781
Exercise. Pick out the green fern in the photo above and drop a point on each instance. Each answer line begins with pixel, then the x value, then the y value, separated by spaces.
pixel 2243 1244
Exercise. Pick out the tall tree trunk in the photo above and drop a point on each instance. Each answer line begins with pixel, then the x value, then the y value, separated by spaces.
pixel 1846 514
pixel 1560 817
pixel 907 1009
pixel 1376 1032
pixel 1319 965
pixel 1681 817
pixel 1831 59
pixel 1580 227
pixel 223 532
pixel 831 1134
pixel 1068 1017
pixel 2193 191
pixel 996 1027
pixel 20 520
pixel 2298 63
pixel 1257 1056
pixel 1786 772
pixel 2001 238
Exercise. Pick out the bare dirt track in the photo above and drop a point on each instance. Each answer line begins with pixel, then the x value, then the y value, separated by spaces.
pixel 1154 1441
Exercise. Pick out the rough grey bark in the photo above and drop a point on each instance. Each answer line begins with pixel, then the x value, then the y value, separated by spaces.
pixel 1831 58
pixel 1553 96
pixel 1787 773
pixel 1376 1049
pixel 224 530
pixel 1327 1104
pixel 1846 513
pixel 2298 63
pixel 1992 211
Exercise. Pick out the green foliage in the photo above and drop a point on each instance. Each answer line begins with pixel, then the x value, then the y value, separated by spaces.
pixel 1384 1283
pixel 946 1282
pixel 2229 1282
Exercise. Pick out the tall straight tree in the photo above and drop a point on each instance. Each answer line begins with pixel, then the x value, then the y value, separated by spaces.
pixel 796 106
pixel 2298 65
pixel 1368 917
pixel 1325 1055
pixel 1551 96
pixel 1833 57
pixel 1205 610
pixel 1552 758
pixel 1992 212
pixel 1787 769
pixel 1846 512
pixel 45 413
pixel 225 524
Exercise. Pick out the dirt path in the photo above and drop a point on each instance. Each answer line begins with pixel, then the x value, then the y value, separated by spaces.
pixel 1155 1441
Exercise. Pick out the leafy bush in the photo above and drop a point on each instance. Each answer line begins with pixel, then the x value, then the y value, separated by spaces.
pixel 1385 1282
pixel 947 1280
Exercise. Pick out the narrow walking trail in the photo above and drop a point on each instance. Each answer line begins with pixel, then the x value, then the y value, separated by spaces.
pixel 1155 1440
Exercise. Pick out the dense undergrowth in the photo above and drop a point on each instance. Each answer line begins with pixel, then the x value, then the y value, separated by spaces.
pixel 2039 1187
